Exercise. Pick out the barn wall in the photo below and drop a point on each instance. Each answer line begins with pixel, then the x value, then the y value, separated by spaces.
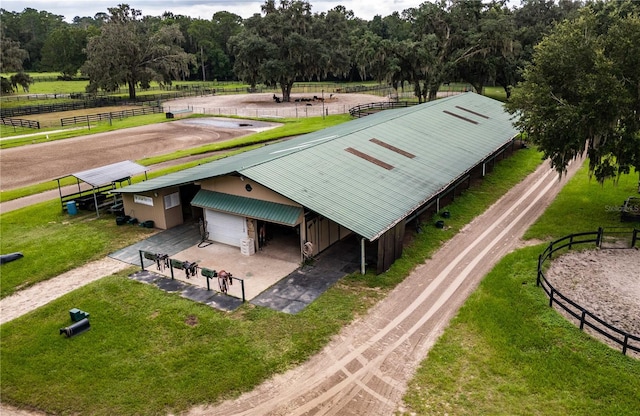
pixel 235 186
pixel 151 205
pixel 322 232
pixel 390 247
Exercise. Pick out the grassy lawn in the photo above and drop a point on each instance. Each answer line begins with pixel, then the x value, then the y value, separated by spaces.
pixel 143 355
pixel 497 93
pixel 54 242
pixel 508 353
pixel 584 205
pixel 149 352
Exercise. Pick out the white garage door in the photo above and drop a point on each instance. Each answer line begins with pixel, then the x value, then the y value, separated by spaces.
pixel 225 228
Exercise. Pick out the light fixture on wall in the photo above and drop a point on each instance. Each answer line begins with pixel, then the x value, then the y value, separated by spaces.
pixel 242 178
pixel 155 194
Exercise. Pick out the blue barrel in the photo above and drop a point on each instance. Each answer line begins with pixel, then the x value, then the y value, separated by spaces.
pixel 72 209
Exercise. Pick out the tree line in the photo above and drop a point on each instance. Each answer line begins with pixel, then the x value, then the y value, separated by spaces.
pixel 419 48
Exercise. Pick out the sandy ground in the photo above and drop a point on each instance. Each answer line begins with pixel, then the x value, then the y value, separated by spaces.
pixel 22 166
pixel 605 282
pixel 366 367
pixel 263 105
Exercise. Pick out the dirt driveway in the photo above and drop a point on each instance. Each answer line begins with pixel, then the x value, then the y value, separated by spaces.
pixel 366 367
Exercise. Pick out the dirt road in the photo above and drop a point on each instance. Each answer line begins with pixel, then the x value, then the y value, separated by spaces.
pixel 365 369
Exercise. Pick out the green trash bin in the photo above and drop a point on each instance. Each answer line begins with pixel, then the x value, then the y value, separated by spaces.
pixel 77 315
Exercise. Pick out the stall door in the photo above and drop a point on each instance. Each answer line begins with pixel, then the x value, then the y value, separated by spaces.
pixel 226 228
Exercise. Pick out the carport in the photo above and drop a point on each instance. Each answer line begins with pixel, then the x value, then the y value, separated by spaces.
pixel 101 181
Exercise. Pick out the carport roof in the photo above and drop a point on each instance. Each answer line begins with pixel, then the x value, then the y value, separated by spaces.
pixel 249 207
pixel 370 173
pixel 108 174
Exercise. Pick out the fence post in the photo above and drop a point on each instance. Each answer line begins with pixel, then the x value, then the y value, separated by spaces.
pixel 570 241
pixel 539 269
pixel 634 239
pixel 584 314
pixel 551 297
pixel 599 238
pixel 141 259
pixel 242 285
pixel 624 344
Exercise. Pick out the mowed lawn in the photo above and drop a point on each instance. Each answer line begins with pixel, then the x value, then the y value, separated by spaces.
pixel 508 353
pixel 150 352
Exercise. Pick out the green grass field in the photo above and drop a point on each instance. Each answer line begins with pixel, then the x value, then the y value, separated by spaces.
pixel 149 352
pixel 508 353
pixel 142 356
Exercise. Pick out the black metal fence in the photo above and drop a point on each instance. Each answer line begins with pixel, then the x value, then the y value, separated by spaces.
pixel 371 108
pixel 20 122
pixel 89 118
pixel 586 318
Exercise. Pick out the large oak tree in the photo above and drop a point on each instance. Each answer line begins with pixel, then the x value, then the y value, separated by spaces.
pixel 289 44
pixel 132 51
pixel 581 93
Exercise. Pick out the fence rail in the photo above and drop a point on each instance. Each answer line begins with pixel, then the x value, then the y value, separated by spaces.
pixel 21 122
pixel 371 108
pixel 57 107
pixel 86 119
pixel 586 318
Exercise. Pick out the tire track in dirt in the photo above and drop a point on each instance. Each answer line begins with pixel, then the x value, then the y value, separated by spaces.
pixel 366 368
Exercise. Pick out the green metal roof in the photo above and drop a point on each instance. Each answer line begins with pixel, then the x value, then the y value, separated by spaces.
pixel 370 185
pixel 370 173
pixel 248 207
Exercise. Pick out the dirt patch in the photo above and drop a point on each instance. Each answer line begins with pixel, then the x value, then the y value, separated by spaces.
pixel 27 165
pixel 263 104
pixel 605 282
pixel 191 320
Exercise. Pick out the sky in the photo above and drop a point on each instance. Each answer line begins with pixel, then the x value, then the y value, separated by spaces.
pixel 203 9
